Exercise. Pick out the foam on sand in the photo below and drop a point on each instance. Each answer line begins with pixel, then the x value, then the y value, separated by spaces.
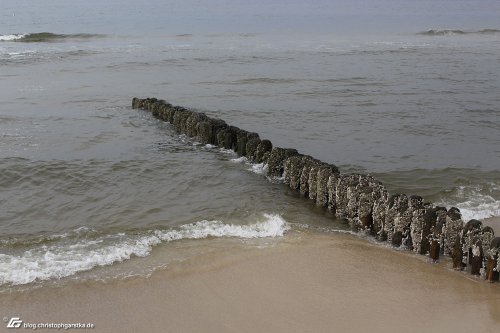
pixel 62 259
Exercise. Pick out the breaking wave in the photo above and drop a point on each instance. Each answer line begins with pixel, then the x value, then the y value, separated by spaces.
pixel 258 168
pixel 474 201
pixel 59 256
pixel 454 32
pixel 39 37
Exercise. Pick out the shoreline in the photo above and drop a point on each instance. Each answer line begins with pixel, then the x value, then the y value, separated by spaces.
pixel 316 282
pixel 494 223
pixel 400 219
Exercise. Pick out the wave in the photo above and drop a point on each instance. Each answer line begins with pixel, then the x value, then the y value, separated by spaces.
pixel 84 249
pixel 261 80
pixel 258 168
pixel 7 38
pixel 453 32
pixel 39 37
pixel 474 201
pixel 241 159
pixel 476 193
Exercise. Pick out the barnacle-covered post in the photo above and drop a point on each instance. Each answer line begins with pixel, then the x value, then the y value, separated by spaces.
pixel 398 205
pixel 426 222
pixel 263 147
pixel 472 248
pixel 331 185
pixel 379 213
pixel 493 264
pixel 241 142
pixel 369 191
pixel 452 241
pixel 313 179
pixel 434 238
pixel 341 198
pixel 293 168
pixel 353 200
pixel 277 158
pixel 365 208
pixel 304 186
pixel 324 173
pixel 419 210
pixel 251 148
pixel 435 220
pixel 487 236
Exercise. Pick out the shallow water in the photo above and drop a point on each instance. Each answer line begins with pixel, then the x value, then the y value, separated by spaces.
pixel 85 181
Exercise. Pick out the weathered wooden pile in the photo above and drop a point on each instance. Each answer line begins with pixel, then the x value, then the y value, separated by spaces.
pixel 402 220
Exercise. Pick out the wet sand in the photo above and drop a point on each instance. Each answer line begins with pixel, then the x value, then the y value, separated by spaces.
pixel 313 283
pixel 493 222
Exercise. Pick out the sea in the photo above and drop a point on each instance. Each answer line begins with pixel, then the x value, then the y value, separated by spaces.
pixel 90 189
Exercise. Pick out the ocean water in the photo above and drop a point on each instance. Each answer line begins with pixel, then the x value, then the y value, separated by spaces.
pixel 91 189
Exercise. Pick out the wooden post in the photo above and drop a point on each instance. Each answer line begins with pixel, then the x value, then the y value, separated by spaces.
pixel 491 274
pixel 492 271
pixel 434 240
pixel 457 255
pixel 471 245
pixel 476 257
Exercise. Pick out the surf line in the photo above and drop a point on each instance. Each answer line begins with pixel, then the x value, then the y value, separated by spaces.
pixel 404 221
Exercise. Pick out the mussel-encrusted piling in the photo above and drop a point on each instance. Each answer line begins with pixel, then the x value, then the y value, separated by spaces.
pixel 363 202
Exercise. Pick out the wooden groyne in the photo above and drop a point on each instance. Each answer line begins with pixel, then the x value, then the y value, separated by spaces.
pixel 402 220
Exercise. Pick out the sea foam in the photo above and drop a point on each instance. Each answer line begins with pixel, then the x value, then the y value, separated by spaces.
pixel 39 37
pixel 62 259
pixel 6 38
pixel 455 32
pixel 258 168
pixel 475 202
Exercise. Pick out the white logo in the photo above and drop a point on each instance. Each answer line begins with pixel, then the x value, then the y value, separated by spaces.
pixel 14 322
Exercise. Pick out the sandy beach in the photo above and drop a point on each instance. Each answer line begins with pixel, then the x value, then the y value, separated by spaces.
pixel 313 283
pixel 494 223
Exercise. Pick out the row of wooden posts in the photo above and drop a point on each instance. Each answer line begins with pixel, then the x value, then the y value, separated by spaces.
pixel 402 220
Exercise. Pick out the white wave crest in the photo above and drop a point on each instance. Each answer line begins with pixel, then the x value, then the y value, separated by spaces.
pixel 11 37
pixel 260 168
pixel 62 260
pixel 227 151
pixel 471 210
pixel 273 226
pixel 241 159
pixel 475 202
